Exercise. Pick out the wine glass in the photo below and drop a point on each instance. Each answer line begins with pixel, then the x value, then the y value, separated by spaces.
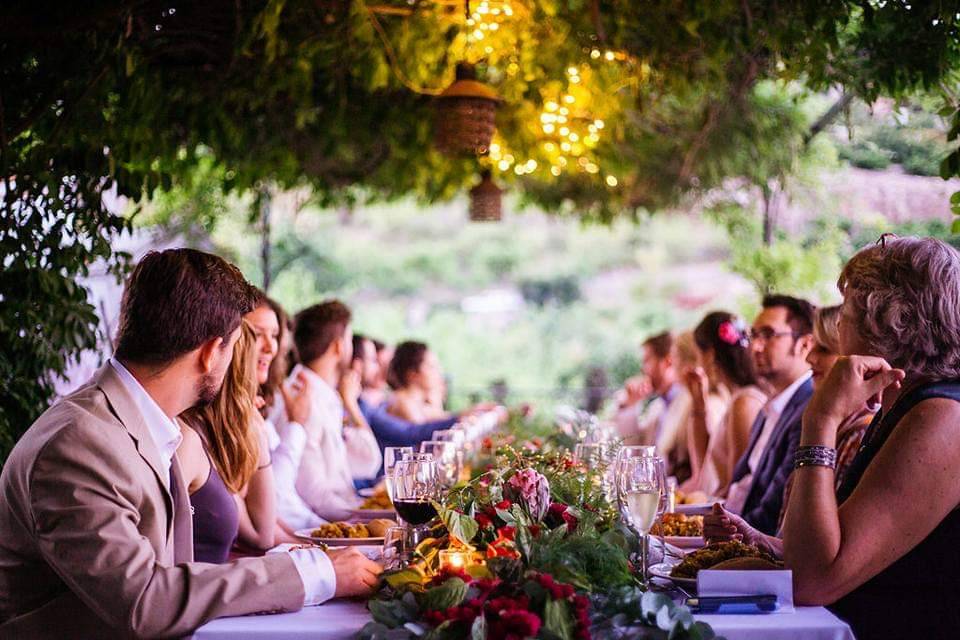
pixel 448 462
pixel 416 486
pixel 390 457
pixel 640 484
pixel 625 452
pixel 594 457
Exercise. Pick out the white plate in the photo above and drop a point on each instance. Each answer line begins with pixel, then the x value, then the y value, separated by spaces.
pixel 699 509
pixel 339 542
pixel 686 542
pixel 662 570
pixel 367 492
pixel 372 514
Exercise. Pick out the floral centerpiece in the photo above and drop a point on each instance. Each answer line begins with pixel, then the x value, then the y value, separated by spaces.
pixel 541 554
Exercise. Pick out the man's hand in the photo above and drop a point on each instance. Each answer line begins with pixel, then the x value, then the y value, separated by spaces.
pixel 637 388
pixel 356 574
pixel 297 400
pixel 350 386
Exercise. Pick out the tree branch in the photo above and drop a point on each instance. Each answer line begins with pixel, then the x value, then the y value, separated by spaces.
pixel 829 116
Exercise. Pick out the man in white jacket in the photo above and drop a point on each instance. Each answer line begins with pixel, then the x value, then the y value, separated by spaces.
pixel 336 453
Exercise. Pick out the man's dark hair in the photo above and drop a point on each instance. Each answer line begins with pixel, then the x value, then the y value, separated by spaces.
pixel 178 299
pixel 407 359
pixel 799 312
pixel 317 327
pixel 661 344
pixel 358 340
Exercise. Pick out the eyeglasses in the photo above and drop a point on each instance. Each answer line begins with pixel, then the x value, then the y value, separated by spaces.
pixel 766 334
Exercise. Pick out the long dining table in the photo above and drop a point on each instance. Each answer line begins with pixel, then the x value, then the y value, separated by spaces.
pixel 342 619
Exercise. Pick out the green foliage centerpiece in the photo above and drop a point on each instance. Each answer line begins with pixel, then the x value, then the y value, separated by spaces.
pixel 541 553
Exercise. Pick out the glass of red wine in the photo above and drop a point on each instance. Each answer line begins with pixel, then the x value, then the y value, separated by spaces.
pixel 416 487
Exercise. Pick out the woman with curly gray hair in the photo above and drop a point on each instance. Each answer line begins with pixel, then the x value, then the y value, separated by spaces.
pixel 882 550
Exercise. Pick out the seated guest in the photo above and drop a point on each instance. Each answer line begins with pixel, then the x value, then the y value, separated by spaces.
pixel 376 391
pixel 390 430
pixel 95 529
pixel 780 339
pixel 416 379
pixel 885 544
pixel 723 525
pixel 719 433
pixel 335 454
pixel 668 404
pixel 672 443
pixel 293 401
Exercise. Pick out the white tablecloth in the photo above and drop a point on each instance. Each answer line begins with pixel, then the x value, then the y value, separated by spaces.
pixel 340 620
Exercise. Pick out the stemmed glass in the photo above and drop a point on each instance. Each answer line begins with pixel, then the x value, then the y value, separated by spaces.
pixel 445 454
pixel 640 485
pixel 594 457
pixel 390 457
pixel 416 486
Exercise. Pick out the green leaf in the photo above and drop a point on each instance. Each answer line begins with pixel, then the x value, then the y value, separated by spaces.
pixel 390 613
pixel 460 525
pixel 449 594
pixel 402 577
pixel 557 619
pixel 955 227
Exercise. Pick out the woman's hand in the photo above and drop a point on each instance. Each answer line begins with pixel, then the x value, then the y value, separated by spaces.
pixel 697 383
pixel 854 381
pixel 722 526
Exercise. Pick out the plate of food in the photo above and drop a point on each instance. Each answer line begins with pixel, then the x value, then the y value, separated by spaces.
pixel 695 503
pixel 375 505
pixel 367 492
pixel 682 531
pixel 664 570
pixel 721 555
pixel 345 534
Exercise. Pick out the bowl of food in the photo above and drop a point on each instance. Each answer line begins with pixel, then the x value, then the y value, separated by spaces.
pixel 683 531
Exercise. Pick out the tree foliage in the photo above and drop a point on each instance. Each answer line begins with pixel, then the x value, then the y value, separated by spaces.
pixel 337 94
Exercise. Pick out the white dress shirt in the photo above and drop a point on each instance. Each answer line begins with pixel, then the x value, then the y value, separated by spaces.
pixel 737 495
pixel 335 456
pixel 315 569
pixel 286 453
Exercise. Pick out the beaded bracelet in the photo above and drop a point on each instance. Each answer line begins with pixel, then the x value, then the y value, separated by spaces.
pixel 815 455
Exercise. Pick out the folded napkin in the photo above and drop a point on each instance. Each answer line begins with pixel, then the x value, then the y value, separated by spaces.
pixel 748 583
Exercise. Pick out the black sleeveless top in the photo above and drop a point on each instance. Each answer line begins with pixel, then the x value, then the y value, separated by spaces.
pixel 918 596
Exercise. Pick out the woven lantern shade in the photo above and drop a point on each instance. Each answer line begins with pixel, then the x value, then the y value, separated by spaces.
pixel 486 200
pixel 465 115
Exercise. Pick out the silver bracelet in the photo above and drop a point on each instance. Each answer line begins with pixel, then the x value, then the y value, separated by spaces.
pixel 815 456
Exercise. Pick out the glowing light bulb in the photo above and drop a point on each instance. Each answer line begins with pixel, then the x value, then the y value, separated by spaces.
pixel 595 54
pixel 609 55
pixel 564 131
pixel 569 99
pixel 565 147
pixel 555 170
pixel 611 181
pixel 574 137
pixel 573 71
pixel 598 124
pixel 548 128
pixel 550 105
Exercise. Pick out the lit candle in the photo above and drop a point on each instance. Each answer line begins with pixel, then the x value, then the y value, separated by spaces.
pixel 454 559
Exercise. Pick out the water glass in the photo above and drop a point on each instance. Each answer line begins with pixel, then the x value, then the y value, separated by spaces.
pixel 448 461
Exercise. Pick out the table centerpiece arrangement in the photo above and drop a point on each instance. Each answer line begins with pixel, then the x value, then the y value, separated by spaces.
pixel 529 547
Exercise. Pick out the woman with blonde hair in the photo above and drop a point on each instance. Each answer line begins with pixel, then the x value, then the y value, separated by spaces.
pixel 226 463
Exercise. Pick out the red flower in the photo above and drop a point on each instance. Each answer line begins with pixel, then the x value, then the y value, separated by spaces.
pixel 571 521
pixel 516 624
pixel 557 509
pixel 535 530
pixel 503 505
pixel 483 520
pixel 506 532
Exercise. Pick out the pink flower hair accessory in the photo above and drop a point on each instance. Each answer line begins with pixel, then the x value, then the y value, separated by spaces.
pixel 733 333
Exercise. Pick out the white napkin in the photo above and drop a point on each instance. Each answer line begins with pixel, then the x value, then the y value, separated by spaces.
pixel 748 583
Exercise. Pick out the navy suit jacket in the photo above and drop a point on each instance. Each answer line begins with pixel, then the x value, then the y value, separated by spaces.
pixel 765 499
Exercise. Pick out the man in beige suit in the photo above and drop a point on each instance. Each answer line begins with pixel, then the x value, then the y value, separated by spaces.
pixel 95 527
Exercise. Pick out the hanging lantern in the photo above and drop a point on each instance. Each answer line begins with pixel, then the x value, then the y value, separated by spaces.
pixel 486 201
pixel 465 115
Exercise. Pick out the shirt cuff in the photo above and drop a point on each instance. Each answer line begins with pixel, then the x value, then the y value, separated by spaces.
pixel 316 573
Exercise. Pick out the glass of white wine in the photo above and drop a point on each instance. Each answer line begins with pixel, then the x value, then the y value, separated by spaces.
pixel 640 484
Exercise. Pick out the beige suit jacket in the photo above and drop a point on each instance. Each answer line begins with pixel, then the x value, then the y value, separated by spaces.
pixel 92 545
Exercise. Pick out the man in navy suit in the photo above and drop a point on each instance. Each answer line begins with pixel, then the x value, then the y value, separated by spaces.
pixel 781 338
